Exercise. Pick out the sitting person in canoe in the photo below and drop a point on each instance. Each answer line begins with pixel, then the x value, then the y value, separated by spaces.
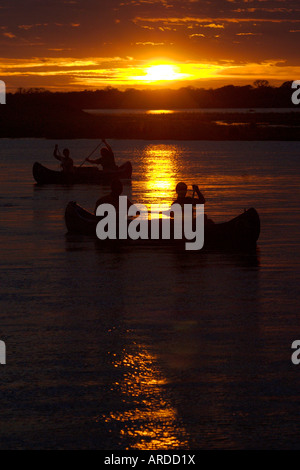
pixel 113 197
pixel 65 159
pixel 107 159
pixel 182 198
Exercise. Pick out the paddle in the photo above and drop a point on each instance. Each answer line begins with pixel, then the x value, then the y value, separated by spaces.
pixel 90 155
pixel 193 191
pixel 59 154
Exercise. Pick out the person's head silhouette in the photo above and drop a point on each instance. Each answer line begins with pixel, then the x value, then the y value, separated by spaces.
pixel 181 189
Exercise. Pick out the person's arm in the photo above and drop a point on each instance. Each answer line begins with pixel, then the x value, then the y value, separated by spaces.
pixel 107 146
pixel 199 194
pixel 55 154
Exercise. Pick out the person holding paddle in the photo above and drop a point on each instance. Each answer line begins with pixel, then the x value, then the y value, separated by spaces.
pixel 182 198
pixel 107 159
pixel 65 159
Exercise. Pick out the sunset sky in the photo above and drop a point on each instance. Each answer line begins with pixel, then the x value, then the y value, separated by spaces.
pixel 81 44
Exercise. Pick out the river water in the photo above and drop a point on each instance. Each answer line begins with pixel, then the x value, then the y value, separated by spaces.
pixel 147 348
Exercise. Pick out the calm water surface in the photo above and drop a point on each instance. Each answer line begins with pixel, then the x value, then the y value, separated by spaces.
pixel 147 348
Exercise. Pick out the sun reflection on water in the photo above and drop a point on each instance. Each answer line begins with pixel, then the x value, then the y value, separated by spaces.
pixel 160 111
pixel 149 420
pixel 161 170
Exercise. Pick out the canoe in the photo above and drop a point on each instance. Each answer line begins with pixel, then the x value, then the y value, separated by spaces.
pixel 81 175
pixel 241 232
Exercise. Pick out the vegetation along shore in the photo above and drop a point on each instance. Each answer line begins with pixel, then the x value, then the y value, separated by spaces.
pixel 40 113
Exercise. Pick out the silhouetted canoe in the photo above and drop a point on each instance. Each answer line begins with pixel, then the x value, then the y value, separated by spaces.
pixel 241 232
pixel 81 175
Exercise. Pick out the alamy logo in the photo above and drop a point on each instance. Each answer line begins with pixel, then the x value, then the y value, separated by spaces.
pixel 136 222
pixel 2 353
pixel 2 92
pixel 296 94
pixel 295 356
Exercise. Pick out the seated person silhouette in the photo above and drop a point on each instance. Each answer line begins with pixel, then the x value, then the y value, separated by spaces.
pixel 107 159
pixel 65 159
pixel 113 197
pixel 182 198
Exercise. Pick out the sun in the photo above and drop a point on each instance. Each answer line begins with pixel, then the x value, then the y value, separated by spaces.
pixel 157 73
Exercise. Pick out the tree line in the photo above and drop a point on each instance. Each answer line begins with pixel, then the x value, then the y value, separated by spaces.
pixel 259 94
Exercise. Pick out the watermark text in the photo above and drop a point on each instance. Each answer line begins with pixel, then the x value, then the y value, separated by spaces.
pixel 2 92
pixel 295 358
pixel 2 352
pixel 136 222
pixel 296 94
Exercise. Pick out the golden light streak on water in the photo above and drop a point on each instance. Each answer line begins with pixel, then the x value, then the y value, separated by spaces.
pixel 161 169
pixel 154 425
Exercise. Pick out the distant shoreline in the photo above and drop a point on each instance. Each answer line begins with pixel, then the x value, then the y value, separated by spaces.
pixel 261 112
pixel 129 111
pixel 69 123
